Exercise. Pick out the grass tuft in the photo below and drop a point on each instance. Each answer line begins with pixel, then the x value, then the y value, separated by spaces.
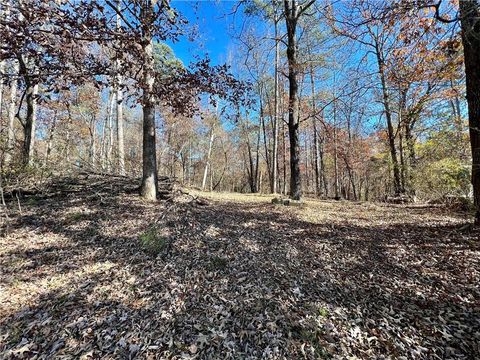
pixel 152 241
pixel 323 312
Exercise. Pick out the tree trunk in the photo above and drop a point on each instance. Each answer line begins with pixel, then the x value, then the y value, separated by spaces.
pixel 30 122
pixel 388 114
pixel 322 165
pixel 4 13
pixel 149 188
pixel 274 169
pixel 150 177
pixel 403 164
pixel 207 162
pixel 316 150
pixel 251 165
pixel 307 161
pixel 335 151
pixel 284 190
pixel 412 157
pixel 110 132
pixel 291 19
pixel 50 140
pixel 2 70
pixel 457 114
pixel 93 147
pixel 103 143
pixel 119 96
pixel 12 110
pixel 266 147
pixel 470 13
pixel 257 162
pixel 120 127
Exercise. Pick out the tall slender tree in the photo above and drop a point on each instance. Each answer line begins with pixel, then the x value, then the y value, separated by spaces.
pixel 292 13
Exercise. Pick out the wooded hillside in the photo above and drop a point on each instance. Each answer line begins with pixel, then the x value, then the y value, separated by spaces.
pixel 240 179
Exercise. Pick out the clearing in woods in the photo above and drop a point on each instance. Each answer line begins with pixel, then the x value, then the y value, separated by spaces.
pixel 99 273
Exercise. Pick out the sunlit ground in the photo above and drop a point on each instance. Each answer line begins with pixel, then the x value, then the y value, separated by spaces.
pixel 236 277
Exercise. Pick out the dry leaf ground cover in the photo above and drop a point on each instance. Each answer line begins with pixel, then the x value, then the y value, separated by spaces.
pixel 237 278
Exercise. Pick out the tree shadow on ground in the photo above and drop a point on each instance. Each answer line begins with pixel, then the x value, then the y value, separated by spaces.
pixel 238 281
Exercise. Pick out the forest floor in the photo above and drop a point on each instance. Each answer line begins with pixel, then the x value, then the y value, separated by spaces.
pixel 235 277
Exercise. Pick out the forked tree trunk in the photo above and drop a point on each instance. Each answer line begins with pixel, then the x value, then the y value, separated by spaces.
pixel 470 13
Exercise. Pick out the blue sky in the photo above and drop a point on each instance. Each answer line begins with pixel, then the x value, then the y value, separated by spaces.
pixel 213 33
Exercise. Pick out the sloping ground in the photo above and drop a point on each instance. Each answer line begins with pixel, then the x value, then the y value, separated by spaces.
pixel 237 278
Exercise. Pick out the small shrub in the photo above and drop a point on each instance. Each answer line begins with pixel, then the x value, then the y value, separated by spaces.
pixel 442 178
pixel 153 242
pixel 323 312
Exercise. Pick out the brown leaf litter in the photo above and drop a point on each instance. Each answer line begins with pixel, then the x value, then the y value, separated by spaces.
pixel 238 280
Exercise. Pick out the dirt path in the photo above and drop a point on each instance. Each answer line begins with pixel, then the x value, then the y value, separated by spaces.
pixel 238 278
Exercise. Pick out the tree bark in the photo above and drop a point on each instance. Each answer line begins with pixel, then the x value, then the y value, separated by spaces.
pixel 322 165
pixel 31 91
pixel 207 162
pixel 403 164
pixel 110 131
pixel 335 151
pixel 470 13
pixel 4 13
pixel 316 149
pixel 412 157
pixel 119 96
pixel 284 185
pixel 51 133
pixel 266 147
pixel 120 128
pixel 30 123
pixel 93 134
pixel 291 18
pixel 12 107
pixel 257 162
pixel 149 187
pixel 274 170
pixel 2 71
pixel 397 186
